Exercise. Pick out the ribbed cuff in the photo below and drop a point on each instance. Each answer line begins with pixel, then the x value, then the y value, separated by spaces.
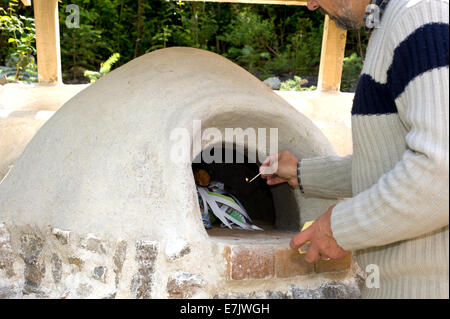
pixel 340 226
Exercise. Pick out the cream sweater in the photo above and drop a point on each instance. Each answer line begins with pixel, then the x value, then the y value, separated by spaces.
pixel 397 179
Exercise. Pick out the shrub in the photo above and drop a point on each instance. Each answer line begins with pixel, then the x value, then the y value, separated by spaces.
pixel 296 85
pixel 21 34
pixel 351 71
pixel 105 67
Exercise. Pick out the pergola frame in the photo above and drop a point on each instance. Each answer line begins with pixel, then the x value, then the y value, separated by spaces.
pixel 49 57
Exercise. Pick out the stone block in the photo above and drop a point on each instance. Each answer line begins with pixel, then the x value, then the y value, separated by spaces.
pixel 94 244
pixel 73 260
pixel 183 284
pixel 176 249
pixel 31 247
pixel 62 235
pixel 34 270
pixel 267 294
pixel 56 268
pixel 99 273
pixel 119 258
pixel 274 83
pixel 6 254
pixel 339 290
pixel 142 282
pixel 301 293
pixel 330 290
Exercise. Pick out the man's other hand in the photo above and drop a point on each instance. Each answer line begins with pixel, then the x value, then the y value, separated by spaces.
pixel 323 245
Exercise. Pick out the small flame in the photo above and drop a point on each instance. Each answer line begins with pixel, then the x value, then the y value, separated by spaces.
pixel 246 179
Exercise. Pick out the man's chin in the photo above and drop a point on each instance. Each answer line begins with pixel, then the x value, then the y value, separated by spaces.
pixel 345 24
pixel 341 22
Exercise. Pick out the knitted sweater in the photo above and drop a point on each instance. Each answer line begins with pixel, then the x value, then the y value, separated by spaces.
pixel 397 179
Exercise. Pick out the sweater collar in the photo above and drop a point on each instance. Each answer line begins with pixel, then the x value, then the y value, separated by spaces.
pixel 374 13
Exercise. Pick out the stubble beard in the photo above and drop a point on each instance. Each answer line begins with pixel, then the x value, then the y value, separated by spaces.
pixel 346 21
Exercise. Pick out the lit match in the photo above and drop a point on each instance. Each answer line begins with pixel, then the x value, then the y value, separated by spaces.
pixel 246 179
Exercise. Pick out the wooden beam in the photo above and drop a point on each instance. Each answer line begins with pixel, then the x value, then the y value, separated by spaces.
pixel 47 42
pixel 332 57
pixel 26 2
pixel 283 2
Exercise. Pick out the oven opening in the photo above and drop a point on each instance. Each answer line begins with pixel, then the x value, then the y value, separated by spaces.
pixel 272 208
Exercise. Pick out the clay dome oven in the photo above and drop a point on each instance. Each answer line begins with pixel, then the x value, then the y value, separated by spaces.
pixel 99 169
pixel 101 163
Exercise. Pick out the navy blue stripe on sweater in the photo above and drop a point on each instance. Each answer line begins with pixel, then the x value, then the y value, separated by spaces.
pixel 372 97
pixel 425 49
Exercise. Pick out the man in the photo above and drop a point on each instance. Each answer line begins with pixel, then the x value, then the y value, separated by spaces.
pixel 397 214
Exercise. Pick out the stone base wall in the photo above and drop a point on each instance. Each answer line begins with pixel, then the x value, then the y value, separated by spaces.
pixel 55 263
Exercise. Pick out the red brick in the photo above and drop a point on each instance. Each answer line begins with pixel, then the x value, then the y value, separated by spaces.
pixel 289 263
pixel 250 262
pixel 333 265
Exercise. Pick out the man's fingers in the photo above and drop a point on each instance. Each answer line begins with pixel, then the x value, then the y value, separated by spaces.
pixel 275 180
pixel 266 161
pixel 266 171
pixel 266 176
pixel 269 159
pixel 269 166
pixel 269 170
pixel 301 238
pixel 312 254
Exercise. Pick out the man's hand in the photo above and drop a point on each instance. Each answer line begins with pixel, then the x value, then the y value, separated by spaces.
pixel 323 245
pixel 279 168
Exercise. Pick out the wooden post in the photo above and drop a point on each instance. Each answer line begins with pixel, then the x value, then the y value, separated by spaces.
pixel 332 57
pixel 47 41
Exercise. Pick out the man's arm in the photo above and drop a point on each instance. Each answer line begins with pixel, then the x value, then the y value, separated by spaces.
pixel 412 199
pixel 328 177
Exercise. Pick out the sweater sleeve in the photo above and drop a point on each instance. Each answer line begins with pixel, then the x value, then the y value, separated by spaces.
pixel 328 176
pixel 412 199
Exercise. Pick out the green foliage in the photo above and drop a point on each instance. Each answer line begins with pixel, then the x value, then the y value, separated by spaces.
pixel 27 73
pixel 20 33
pixel 302 51
pixel 351 71
pixel 198 26
pixel 296 85
pixel 266 48
pixel 81 48
pixel 267 40
pixel 105 67
pixel 251 38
